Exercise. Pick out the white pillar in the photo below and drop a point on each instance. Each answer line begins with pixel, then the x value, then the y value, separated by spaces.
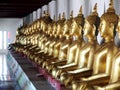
pixel 52 9
pixel 44 8
pixel 86 7
pixel 31 18
pixel 62 6
pixel 117 10
pixel 34 15
pixel 117 6
pixel 38 13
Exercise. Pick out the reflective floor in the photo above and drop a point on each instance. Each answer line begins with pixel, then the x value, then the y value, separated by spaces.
pixel 17 80
pixel 4 70
pixel 7 80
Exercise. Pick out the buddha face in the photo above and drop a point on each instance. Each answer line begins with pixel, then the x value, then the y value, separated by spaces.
pixel 118 29
pixel 106 29
pixel 73 28
pixel 103 27
pixel 88 29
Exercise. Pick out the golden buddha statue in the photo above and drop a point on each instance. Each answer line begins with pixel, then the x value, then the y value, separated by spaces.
pixel 53 41
pixel 59 39
pixel 46 47
pixel 52 35
pixel 114 82
pixel 77 42
pixel 32 40
pixel 41 38
pixel 36 50
pixel 65 45
pixel 46 20
pixel 43 29
pixel 51 38
pixel 103 57
pixel 86 52
pixel 44 40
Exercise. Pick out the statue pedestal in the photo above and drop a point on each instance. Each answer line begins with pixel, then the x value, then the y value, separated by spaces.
pixel 56 84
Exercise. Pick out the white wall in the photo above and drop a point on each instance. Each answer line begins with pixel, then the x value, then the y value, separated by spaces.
pixel 10 25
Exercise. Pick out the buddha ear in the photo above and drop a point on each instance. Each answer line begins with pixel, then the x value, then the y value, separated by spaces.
pixel 94 29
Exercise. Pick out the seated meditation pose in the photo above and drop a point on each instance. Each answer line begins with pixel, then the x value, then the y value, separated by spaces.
pixel 52 43
pixel 86 52
pixel 55 47
pixel 103 57
pixel 65 45
pixel 77 42
pixel 114 82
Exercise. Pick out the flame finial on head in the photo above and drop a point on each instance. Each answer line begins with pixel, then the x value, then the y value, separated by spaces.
pixel 95 10
pixel 80 11
pixel 111 4
pixel 71 14
pixel 54 18
pixel 63 15
pixel 59 17
pixel 111 7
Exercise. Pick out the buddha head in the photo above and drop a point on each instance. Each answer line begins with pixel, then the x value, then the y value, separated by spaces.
pixel 91 24
pixel 45 22
pixel 67 26
pixel 60 24
pixel 108 23
pixel 77 24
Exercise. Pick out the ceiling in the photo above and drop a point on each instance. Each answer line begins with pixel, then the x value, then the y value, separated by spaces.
pixel 19 8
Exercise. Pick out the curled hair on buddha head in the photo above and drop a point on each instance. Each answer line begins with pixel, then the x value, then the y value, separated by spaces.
pixel 110 16
pixel 94 19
